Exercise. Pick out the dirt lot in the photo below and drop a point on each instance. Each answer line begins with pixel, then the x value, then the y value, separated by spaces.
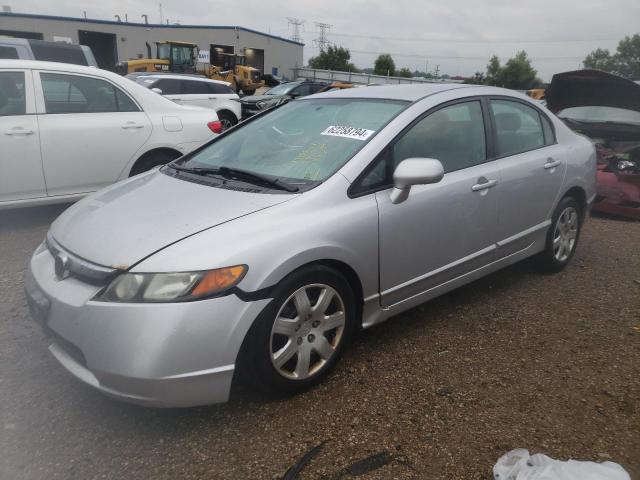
pixel 519 359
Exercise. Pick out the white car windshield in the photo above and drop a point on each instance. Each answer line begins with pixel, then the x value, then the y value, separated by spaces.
pixel 304 140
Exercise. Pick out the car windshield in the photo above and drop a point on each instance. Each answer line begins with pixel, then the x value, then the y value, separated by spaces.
pixel 281 89
pixel 302 142
pixel 601 115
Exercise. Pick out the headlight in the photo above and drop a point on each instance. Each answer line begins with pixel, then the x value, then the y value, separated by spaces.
pixel 260 104
pixel 171 287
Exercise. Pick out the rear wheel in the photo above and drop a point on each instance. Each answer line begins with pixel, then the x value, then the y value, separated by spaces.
pixel 227 119
pixel 153 159
pixel 302 333
pixel 563 235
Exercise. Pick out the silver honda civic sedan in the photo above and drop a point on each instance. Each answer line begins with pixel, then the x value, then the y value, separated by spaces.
pixel 263 252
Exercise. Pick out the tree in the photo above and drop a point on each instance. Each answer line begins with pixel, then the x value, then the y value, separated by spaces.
pixel 599 59
pixel 384 65
pixel 404 72
pixel 333 58
pixel 517 73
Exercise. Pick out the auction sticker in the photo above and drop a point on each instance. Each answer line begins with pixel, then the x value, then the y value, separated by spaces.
pixel 348 132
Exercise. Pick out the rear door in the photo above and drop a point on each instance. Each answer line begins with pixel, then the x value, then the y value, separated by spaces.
pixel 90 130
pixel 21 175
pixel 532 166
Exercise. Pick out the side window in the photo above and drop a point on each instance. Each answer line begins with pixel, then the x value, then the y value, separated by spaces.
pixel 455 135
pixel 194 87
pixel 219 89
pixel 549 133
pixel 8 52
pixel 168 86
pixel 125 104
pixel 518 127
pixel 302 90
pixel 12 94
pixel 75 94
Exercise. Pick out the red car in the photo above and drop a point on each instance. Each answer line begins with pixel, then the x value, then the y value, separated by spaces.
pixel 605 108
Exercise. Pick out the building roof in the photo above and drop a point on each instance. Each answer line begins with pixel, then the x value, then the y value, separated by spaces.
pixel 145 25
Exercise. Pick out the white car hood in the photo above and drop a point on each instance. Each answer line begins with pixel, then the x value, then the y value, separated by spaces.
pixel 125 223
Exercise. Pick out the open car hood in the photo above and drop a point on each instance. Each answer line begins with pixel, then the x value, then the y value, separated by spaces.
pixel 582 88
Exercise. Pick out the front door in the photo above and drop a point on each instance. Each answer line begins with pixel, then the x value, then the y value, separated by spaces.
pixel 443 230
pixel 90 130
pixel 21 174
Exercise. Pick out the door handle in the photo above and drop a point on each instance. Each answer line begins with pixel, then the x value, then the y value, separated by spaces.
pixel 19 131
pixel 551 163
pixel 478 187
pixel 132 125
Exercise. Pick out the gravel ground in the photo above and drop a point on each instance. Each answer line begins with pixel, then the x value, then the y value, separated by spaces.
pixel 518 359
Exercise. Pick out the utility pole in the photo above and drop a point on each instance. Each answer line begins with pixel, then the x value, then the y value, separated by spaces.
pixel 322 41
pixel 160 8
pixel 296 23
pixel 437 70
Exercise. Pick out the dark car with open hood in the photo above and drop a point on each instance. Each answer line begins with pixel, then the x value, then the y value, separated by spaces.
pixel 605 108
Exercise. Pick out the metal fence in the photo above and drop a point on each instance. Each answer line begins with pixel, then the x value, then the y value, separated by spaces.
pixel 361 78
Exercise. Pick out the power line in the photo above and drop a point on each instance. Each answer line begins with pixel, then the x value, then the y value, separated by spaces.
pixel 455 57
pixel 321 41
pixel 474 41
pixel 297 23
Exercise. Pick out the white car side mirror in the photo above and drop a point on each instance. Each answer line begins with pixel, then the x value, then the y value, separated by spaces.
pixel 414 171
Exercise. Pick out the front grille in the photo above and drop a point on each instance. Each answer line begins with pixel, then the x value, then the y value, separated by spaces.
pixel 69 264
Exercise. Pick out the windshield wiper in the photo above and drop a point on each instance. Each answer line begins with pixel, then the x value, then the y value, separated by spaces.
pixel 239 174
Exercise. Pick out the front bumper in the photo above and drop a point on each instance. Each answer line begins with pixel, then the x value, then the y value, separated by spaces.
pixel 163 355
pixel 249 110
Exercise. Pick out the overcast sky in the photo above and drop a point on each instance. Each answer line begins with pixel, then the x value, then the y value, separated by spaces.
pixel 457 35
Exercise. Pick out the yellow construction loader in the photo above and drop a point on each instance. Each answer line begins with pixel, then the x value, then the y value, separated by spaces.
pixel 182 57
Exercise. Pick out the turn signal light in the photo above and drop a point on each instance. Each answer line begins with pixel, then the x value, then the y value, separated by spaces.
pixel 215 126
pixel 218 280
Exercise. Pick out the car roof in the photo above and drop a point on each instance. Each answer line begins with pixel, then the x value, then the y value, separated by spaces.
pixel 411 93
pixel 184 77
pixel 39 64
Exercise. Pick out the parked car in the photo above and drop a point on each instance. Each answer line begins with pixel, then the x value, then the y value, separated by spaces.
pixel 69 130
pixel 294 229
pixel 199 91
pixel 284 92
pixel 606 108
pixel 28 49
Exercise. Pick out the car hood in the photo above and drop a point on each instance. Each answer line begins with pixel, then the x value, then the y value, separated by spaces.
pixel 125 223
pixel 258 98
pixel 585 88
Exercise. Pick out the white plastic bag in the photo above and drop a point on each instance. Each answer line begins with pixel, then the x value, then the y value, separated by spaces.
pixel 519 465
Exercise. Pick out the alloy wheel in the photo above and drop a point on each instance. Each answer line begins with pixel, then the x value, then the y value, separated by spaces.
pixel 565 234
pixel 307 331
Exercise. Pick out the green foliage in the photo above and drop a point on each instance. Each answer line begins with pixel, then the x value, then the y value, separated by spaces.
pixel 334 58
pixel 625 62
pixel 404 72
pixel 517 73
pixel 384 65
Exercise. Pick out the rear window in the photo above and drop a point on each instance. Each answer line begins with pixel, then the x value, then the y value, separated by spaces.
pixel 58 52
pixel 601 114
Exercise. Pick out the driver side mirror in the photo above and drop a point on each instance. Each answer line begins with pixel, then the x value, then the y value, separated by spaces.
pixel 414 171
pixel 157 90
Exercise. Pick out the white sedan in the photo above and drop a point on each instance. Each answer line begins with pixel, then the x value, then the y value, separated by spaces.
pixel 67 130
pixel 197 91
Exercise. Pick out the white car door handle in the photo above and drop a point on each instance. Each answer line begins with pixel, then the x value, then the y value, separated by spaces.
pixel 19 131
pixel 478 187
pixel 132 125
pixel 551 163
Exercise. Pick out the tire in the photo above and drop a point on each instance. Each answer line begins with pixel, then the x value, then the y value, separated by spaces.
pixel 274 352
pixel 563 235
pixel 227 119
pixel 153 159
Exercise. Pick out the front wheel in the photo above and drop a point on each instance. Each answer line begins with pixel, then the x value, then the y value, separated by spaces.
pixel 563 235
pixel 302 333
